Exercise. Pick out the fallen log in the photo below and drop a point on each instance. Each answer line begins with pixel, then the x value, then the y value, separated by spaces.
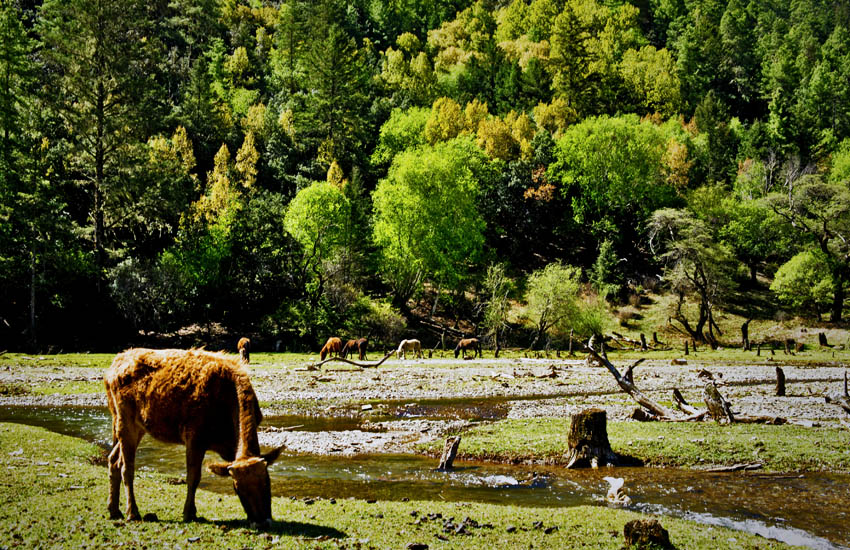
pixel 315 366
pixel 629 386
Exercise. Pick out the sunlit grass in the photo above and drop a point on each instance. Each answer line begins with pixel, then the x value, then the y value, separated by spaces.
pixel 53 497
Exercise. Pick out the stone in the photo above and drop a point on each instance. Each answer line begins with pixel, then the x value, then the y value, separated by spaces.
pixel 645 534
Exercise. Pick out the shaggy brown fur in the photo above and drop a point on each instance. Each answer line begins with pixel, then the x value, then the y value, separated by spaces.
pixel 409 345
pixel 360 345
pixel 332 346
pixel 468 343
pixel 200 399
pixel 244 347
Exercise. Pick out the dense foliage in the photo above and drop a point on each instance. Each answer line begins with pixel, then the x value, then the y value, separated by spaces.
pixel 294 168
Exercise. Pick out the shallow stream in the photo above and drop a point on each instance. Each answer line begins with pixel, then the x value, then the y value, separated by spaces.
pixel 808 509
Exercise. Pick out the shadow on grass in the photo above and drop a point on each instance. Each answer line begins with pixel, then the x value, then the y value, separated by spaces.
pixel 282 528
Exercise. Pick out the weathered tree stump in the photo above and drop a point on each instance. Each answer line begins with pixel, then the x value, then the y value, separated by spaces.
pixel 449 453
pixel 686 348
pixel 780 382
pixel 718 407
pixel 646 533
pixel 758 350
pixel 822 340
pixel 588 440
pixel 745 335
pixel 655 341
pixel 643 346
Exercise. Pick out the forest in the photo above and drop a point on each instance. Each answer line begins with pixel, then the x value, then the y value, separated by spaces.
pixel 510 169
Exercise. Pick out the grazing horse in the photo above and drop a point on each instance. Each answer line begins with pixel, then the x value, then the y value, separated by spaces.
pixel 409 345
pixel 468 343
pixel 201 399
pixel 244 347
pixel 360 345
pixel 332 346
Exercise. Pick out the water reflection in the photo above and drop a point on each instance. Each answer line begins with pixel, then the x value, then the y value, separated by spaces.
pixel 808 509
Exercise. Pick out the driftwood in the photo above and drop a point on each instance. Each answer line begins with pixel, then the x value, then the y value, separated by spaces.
pixel 629 386
pixel 449 453
pixel 736 467
pixel 588 440
pixel 683 405
pixel 315 366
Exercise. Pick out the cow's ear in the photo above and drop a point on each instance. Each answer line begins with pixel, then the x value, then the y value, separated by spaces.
pixel 219 468
pixel 272 455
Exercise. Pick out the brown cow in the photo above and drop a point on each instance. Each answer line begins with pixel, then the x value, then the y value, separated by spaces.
pixel 332 346
pixel 201 399
pixel 244 347
pixel 360 345
pixel 468 343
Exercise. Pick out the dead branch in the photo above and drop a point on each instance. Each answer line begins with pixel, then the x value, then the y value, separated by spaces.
pixel 683 405
pixel 630 388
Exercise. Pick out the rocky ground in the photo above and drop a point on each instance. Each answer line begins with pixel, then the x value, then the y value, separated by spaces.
pixel 402 403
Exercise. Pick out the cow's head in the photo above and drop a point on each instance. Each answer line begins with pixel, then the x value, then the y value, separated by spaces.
pixel 251 483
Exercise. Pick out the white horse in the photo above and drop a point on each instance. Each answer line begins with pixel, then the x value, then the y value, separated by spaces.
pixel 409 345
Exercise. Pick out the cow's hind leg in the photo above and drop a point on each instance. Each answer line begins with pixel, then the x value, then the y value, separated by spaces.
pixel 128 442
pixel 114 482
pixel 194 462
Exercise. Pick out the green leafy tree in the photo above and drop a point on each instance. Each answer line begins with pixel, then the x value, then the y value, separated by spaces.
pixel 426 222
pixel 804 283
pixel 607 272
pixel 404 129
pixel 612 171
pixel 554 305
pixel 819 211
pixel 695 265
pixel 496 287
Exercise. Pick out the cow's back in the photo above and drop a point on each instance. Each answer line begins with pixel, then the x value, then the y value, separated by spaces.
pixel 172 393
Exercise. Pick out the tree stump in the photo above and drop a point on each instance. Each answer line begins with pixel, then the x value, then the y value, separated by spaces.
pixel 643 346
pixel 686 347
pixel 745 335
pixel 780 382
pixel 822 340
pixel 718 407
pixel 449 453
pixel 588 440
pixel 646 534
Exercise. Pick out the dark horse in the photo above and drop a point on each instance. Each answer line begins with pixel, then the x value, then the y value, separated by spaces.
pixel 360 345
pixel 468 343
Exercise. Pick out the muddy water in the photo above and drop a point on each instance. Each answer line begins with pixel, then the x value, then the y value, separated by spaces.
pixel 808 509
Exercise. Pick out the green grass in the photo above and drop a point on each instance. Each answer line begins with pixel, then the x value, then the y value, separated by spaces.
pixel 778 448
pixel 52 496
pixel 75 387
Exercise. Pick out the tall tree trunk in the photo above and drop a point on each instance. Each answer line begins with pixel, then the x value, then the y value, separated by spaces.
pixel 32 337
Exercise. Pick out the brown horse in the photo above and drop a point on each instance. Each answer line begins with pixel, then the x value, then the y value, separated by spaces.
pixel 244 347
pixel 360 345
pixel 468 343
pixel 332 346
